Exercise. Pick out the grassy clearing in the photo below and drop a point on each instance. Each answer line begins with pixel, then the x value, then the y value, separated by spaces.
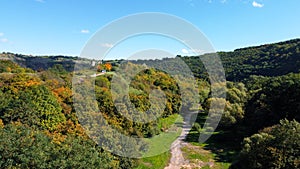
pixel 173 120
pixel 222 147
pixel 157 162
pixel 161 143
pixel 215 149
pixel 158 154
pixel 198 156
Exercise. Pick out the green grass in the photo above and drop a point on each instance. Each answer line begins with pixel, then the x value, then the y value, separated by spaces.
pixel 158 154
pixel 157 162
pixel 223 144
pixel 162 142
pixel 222 151
pixel 110 73
pixel 222 165
pixel 221 147
pixel 169 121
pixel 197 152
pixel 200 154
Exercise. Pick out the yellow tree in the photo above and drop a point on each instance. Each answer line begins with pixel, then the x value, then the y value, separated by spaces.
pixel 99 68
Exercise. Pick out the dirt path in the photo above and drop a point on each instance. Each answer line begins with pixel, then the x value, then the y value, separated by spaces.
pixel 177 160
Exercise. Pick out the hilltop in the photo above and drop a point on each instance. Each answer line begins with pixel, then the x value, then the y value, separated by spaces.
pixel 267 60
pixel 39 63
pixel 274 59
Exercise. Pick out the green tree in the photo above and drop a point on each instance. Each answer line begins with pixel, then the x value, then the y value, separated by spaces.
pixel 31 104
pixel 234 104
pixel 276 147
pixel 23 147
pixel 273 99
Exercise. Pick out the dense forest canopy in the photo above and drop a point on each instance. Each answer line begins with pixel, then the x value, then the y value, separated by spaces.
pixel 266 60
pixel 39 127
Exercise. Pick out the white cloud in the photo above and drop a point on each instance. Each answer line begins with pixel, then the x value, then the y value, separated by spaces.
pixel 199 51
pixel 192 51
pixel 107 45
pixel 85 31
pixel 257 5
pixel 184 51
pixel 40 1
pixel 4 40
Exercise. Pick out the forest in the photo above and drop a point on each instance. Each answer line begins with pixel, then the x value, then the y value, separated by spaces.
pixel 259 129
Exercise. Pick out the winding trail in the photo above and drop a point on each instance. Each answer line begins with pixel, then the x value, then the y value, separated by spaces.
pixel 177 160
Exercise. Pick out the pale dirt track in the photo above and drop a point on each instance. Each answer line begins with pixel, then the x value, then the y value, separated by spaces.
pixel 177 160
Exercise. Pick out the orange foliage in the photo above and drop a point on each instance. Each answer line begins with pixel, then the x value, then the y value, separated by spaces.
pixel 53 84
pixel 64 129
pixel 75 129
pixel 20 83
pixel 31 83
pixel 69 127
pixel 108 66
pixel 8 69
pixel 1 123
pixel 62 93
pixel 56 136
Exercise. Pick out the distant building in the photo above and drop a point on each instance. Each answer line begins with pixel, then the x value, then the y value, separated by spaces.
pixel 93 63
pixel 145 65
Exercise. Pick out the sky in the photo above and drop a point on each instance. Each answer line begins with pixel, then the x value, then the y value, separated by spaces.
pixel 63 27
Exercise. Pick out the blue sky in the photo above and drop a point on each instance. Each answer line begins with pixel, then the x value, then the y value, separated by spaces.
pixel 52 27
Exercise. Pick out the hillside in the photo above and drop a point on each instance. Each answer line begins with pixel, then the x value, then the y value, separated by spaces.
pixel 39 63
pixel 40 126
pixel 267 60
